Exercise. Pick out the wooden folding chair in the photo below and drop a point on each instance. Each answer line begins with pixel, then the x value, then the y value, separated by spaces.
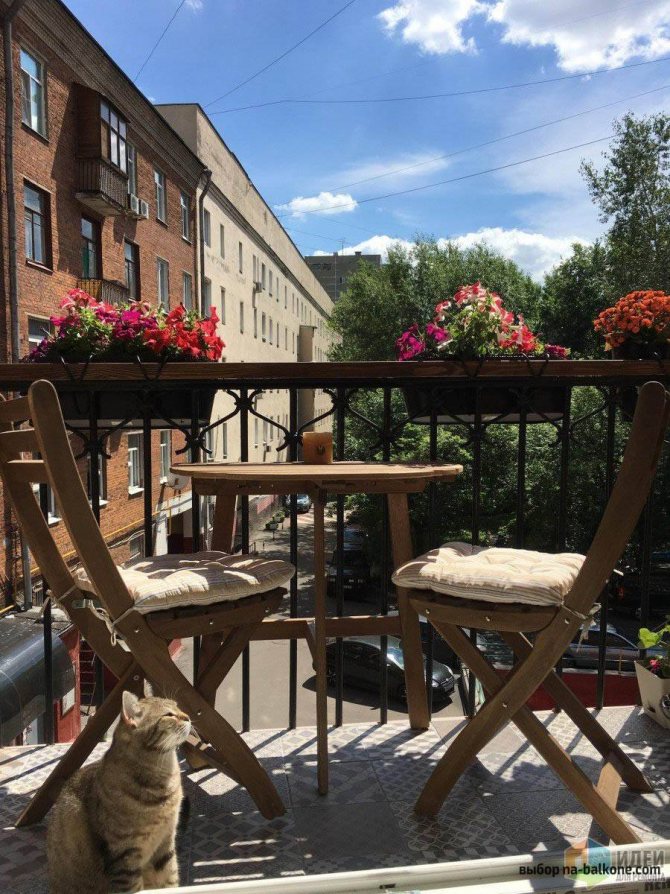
pixel 130 615
pixel 516 592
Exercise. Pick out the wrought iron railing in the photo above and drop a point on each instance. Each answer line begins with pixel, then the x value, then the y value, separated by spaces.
pixel 540 442
pixel 102 185
pixel 106 290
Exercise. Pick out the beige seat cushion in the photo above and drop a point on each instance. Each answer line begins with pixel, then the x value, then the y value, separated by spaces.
pixel 492 575
pixel 179 580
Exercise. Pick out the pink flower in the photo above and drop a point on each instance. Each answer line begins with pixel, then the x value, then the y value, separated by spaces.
pixel 410 344
pixel 437 333
pixel 557 352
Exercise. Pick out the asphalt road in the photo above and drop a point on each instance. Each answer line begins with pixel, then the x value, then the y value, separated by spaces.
pixel 269 660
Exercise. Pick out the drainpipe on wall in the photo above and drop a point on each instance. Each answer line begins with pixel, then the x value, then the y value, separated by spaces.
pixel 13 276
pixel 9 179
pixel 207 174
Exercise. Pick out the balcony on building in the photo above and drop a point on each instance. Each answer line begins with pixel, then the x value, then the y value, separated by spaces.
pixel 108 290
pixel 102 154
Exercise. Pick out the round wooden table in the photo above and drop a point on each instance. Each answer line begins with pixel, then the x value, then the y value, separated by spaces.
pixel 227 481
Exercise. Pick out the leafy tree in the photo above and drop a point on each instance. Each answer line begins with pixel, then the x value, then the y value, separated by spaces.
pixel 574 292
pixel 633 194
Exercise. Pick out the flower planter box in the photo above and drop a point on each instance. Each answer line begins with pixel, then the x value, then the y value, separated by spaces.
pixel 115 407
pixel 654 694
pixel 632 350
pixel 457 404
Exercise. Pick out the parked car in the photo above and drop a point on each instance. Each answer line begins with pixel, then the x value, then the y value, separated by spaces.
pixel 356 571
pixel 303 502
pixel 620 652
pixel 362 665
pixel 627 592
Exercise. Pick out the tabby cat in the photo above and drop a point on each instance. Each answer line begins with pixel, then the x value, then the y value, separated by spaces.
pixel 113 826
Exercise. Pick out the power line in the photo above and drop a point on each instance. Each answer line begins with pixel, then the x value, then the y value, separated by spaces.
pixel 451 95
pixel 155 46
pixel 404 192
pixel 508 136
pixel 283 55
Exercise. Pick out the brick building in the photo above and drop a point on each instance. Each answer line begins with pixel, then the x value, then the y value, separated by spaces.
pixel 105 199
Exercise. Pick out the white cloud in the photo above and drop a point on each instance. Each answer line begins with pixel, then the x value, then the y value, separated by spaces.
pixel 435 26
pixel 195 5
pixel 324 203
pixel 535 253
pixel 393 170
pixel 583 40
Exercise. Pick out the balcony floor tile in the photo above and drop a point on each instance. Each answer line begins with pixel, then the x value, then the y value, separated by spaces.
pixel 507 802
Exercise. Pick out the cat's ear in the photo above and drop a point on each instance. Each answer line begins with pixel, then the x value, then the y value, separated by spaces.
pixel 148 689
pixel 129 708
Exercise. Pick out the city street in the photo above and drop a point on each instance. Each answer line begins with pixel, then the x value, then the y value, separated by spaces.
pixel 269 661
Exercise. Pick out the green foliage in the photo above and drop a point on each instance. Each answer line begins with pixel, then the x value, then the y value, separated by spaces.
pixel 573 294
pixel 650 639
pixel 633 194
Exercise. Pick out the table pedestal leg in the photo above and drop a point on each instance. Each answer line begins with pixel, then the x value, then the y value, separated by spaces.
pixel 415 681
pixel 223 528
pixel 320 644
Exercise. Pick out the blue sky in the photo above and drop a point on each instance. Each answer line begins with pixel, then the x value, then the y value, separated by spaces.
pixel 304 156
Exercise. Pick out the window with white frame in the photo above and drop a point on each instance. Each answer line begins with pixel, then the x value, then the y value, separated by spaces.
pixel 240 259
pixel 114 130
pixel 286 338
pixel 136 547
pixel 207 227
pixel 33 83
pixel 161 199
pixel 51 508
pixel 185 208
pixel 285 297
pixel 270 283
pixel 264 323
pixel 38 329
pixel 255 431
pixel 222 301
pixel 270 331
pixel 242 316
pixel 222 240
pixel 165 454
pixel 187 291
pixel 254 267
pixel 36 206
pixel 277 288
pixel 209 454
pixel 135 463
pixel 163 278
pixel 263 277
pixel 102 479
pixel 206 294
pixel 255 322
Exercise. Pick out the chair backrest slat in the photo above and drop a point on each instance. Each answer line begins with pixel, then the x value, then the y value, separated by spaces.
pixel 629 495
pixel 57 468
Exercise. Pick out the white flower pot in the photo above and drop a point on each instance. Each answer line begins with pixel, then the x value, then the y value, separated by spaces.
pixel 653 691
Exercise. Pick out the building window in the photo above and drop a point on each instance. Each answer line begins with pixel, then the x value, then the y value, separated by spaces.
pixel 187 291
pixel 286 338
pixel 263 277
pixel 33 79
pixel 36 209
pixel 102 479
pixel 277 291
pixel 206 294
pixel 255 431
pixel 38 329
pixel 222 310
pixel 131 153
pixel 135 463
pixel 224 440
pixel 165 454
pixel 206 227
pixel 209 453
pixel 285 297
pixel 185 208
pixel 114 132
pixel 254 267
pixel 163 274
pixel 222 241
pixel 240 259
pixel 270 331
pixel 136 547
pixel 263 327
pixel 161 202
pixel 131 255
pixel 270 282
pixel 90 249
pixel 255 323
pixel 242 316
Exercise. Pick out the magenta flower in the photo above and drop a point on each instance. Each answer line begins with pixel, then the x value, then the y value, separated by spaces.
pixel 410 344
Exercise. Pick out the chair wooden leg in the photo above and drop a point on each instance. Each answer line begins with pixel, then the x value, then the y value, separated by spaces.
pixel 583 719
pixel 77 753
pixel 598 800
pixel 152 654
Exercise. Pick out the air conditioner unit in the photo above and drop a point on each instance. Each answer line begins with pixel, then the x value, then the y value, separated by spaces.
pixel 258 285
pixel 178 482
pixel 144 209
pixel 134 204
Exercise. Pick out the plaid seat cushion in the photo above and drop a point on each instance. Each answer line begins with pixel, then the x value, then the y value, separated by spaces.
pixel 492 574
pixel 179 580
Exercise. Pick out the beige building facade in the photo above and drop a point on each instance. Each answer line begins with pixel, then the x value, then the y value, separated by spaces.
pixel 272 307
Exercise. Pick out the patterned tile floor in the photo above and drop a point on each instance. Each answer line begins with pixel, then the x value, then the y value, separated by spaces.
pixel 508 802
